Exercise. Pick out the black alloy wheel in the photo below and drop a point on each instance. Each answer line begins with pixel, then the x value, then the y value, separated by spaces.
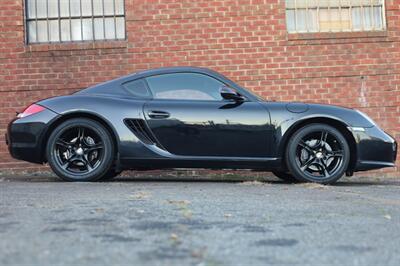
pixel 80 150
pixel 318 153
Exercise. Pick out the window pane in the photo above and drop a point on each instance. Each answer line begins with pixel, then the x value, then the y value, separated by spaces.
pixel 65 30
pixel 367 2
pixel 290 21
pixel 110 28
pixel 87 27
pixel 97 7
pixel 347 3
pixel 185 94
pixel 76 29
pixel 312 20
pixel 340 19
pixel 41 8
pixel 324 3
pixel 290 4
pixel 42 31
pixel 185 86
pixel 86 7
pixel 53 8
pixel 137 88
pixel 378 18
pixel 109 7
pixel 32 31
pixel 64 8
pixel 301 22
pixel 335 24
pixel 120 28
pixel 99 29
pixel 305 3
pixel 75 8
pixel 368 22
pixel 30 5
pixel 324 20
pixel 119 7
pixel 54 31
pixel 346 20
pixel 356 18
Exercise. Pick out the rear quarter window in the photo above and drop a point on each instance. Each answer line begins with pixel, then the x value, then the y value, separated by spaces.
pixel 137 88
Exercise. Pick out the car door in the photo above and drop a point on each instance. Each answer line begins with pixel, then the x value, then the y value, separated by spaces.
pixel 189 117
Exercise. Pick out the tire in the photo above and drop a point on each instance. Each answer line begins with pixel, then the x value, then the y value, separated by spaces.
pixel 285 176
pixel 317 153
pixel 80 149
pixel 110 175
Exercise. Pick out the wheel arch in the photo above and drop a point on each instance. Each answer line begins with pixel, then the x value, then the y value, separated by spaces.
pixel 337 124
pixel 81 114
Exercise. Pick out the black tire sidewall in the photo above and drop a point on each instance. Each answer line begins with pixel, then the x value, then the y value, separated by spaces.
pixel 110 175
pixel 108 152
pixel 291 153
pixel 288 177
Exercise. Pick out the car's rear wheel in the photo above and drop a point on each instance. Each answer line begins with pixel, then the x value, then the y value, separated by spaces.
pixel 80 149
pixel 110 175
pixel 317 153
pixel 285 176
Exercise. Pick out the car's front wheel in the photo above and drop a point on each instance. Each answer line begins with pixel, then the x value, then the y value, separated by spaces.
pixel 80 149
pixel 318 153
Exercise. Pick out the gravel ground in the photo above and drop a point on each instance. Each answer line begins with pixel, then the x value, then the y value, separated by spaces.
pixel 170 222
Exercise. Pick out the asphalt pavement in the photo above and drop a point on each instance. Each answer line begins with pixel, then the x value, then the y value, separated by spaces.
pixel 185 222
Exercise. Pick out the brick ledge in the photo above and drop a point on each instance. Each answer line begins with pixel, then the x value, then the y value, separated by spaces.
pixel 336 35
pixel 44 47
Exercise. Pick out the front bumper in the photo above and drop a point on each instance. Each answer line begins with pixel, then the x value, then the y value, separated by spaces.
pixel 375 149
pixel 25 137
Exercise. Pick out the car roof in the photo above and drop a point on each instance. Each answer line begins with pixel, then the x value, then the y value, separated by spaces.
pixel 105 87
pixel 167 70
pixel 113 87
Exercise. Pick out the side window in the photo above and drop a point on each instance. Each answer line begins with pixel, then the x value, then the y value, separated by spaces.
pixel 185 86
pixel 137 88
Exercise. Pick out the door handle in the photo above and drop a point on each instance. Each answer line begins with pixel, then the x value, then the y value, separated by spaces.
pixel 158 114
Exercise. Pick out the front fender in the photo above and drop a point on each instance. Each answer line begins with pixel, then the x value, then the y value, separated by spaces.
pixel 286 122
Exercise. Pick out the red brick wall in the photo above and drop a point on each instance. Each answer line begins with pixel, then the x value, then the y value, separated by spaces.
pixel 244 39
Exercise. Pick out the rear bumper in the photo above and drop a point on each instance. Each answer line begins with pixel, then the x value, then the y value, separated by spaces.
pixel 375 149
pixel 25 137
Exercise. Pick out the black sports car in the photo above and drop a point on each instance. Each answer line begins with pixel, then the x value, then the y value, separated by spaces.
pixel 194 118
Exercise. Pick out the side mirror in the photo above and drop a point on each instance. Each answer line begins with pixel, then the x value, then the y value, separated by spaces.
pixel 230 94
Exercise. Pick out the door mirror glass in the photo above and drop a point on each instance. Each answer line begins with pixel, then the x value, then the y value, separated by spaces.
pixel 230 94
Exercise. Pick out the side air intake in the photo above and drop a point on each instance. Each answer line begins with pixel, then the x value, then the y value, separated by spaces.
pixel 140 129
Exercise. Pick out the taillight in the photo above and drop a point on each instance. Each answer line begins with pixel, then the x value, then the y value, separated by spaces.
pixel 32 109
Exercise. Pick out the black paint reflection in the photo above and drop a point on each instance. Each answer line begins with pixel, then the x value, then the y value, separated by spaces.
pixel 208 128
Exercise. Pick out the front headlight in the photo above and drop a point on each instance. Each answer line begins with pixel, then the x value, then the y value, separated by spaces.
pixel 369 119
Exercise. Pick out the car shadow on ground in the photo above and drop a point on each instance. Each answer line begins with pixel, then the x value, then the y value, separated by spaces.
pixel 345 182
pixel 349 183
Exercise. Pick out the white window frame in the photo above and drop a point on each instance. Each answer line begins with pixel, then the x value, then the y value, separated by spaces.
pixel 114 16
pixel 352 4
